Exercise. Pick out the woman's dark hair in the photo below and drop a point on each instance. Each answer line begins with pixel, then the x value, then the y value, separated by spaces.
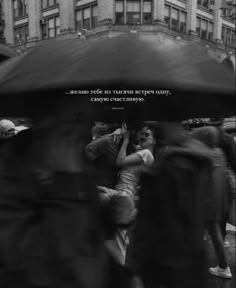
pixel 151 125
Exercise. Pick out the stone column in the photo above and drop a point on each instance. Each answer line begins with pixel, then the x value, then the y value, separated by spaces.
pixel 106 12
pixel 158 11
pixel 9 21
pixel 191 7
pixel 217 30
pixel 67 16
pixel 34 10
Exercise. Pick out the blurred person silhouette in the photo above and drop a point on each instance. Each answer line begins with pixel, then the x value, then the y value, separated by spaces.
pixel 173 210
pixel 51 232
pixel 221 195
pixel 102 151
pixel 226 143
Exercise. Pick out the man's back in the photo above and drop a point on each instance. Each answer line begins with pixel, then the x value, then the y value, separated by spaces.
pixel 172 217
pixel 103 152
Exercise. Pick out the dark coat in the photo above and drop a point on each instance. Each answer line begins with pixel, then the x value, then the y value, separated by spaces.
pixel 51 234
pixel 174 207
pixel 213 137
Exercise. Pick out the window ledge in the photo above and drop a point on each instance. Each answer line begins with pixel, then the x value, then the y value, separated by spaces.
pixel 20 17
pixel 50 7
pixel 208 10
pixel 79 6
pixel 229 20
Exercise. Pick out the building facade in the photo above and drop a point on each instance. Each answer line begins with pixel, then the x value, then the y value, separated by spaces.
pixel 2 39
pixel 212 22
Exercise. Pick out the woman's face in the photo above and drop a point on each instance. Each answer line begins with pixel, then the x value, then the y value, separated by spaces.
pixel 145 138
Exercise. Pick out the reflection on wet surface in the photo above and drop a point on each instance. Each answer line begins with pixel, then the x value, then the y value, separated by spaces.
pixel 217 282
pixel 213 281
pixel 221 283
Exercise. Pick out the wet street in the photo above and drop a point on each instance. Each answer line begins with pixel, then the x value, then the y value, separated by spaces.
pixel 213 281
pixel 217 282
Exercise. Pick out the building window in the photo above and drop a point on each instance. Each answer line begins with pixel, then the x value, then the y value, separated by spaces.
pixel 183 20
pixel 207 4
pixel 48 3
pixel 147 12
pixel 86 17
pixel 119 8
pixel 204 29
pixel 175 19
pixel 233 39
pixel 21 34
pixel 228 37
pixel 20 8
pixel 210 31
pixel 133 12
pixel 50 27
pixel 228 11
pixel 167 16
pixel 94 16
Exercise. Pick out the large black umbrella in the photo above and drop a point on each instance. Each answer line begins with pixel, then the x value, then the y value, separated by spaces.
pixel 39 84
pixel 196 83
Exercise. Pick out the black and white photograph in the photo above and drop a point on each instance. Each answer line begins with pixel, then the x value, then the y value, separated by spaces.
pixel 117 143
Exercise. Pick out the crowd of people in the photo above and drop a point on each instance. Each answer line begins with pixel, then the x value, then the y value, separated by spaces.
pixel 157 189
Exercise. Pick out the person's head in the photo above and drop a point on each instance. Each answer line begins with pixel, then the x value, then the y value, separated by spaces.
pixel 59 138
pixel 208 135
pixel 146 135
pixel 7 129
pixel 102 128
pixel 171 133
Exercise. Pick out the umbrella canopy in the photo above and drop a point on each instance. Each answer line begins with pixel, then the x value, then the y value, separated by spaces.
pixel 170 63
pixel 120 62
